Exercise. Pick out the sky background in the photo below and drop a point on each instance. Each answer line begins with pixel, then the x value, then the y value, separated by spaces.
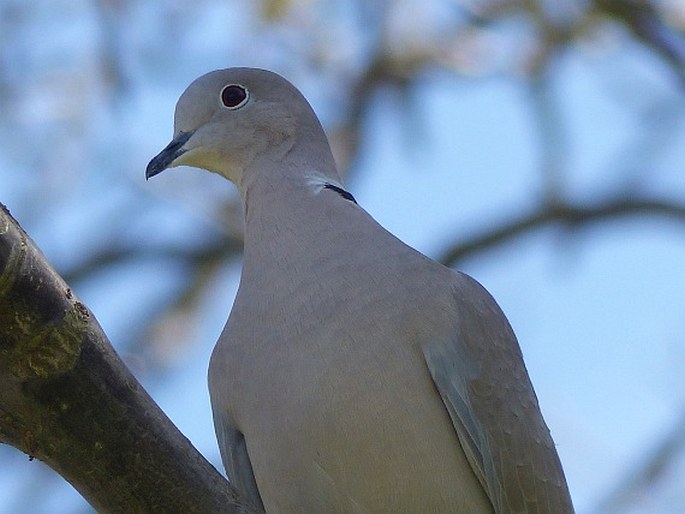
pixel 87 92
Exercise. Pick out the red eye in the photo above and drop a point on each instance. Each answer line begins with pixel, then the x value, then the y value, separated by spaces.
pixel 233 96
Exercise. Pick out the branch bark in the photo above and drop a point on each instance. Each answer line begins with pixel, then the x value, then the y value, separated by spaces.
pixel 67 399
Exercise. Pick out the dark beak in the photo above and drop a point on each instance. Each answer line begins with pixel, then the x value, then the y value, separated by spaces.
pixel 162 160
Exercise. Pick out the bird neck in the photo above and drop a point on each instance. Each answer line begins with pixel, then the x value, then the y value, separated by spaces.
pixel 284 174
pixel 284 204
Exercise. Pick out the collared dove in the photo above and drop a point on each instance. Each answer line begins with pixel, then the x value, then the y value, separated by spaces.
pixel 354 374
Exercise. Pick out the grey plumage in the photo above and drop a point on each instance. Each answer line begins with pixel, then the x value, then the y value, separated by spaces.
pixel 354 374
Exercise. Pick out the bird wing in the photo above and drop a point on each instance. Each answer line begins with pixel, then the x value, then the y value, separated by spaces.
pixel 236 460
pixel 485 387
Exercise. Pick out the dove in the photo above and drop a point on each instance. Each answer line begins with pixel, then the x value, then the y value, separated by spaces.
pixel 354 374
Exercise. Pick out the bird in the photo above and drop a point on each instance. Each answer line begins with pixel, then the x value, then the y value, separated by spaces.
pixel 354 374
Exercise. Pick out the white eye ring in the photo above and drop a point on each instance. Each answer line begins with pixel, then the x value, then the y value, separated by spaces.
pixel 234 96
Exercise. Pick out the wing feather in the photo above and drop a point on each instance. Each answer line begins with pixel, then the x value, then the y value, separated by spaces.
pixel 237 460
pixel 485 387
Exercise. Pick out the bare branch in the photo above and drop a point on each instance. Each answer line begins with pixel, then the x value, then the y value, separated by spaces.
pixel 565 214
pixel 67 399
pixel 644 21
pixel 638 481
pixel 219 249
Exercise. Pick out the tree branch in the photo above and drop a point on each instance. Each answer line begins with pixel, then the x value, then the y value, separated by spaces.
pixel 67 399
pixel 564 213
pixel 636 482
pixel 644 21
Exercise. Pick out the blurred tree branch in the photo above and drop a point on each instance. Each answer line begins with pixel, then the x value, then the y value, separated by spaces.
pixel 67 399
pixel 634 485
pixel 644 20
pixel 565 214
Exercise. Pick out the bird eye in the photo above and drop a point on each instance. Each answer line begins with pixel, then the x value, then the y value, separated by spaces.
pixel 234 96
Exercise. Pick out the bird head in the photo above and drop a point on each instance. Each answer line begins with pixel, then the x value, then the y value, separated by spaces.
pixel 239 120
